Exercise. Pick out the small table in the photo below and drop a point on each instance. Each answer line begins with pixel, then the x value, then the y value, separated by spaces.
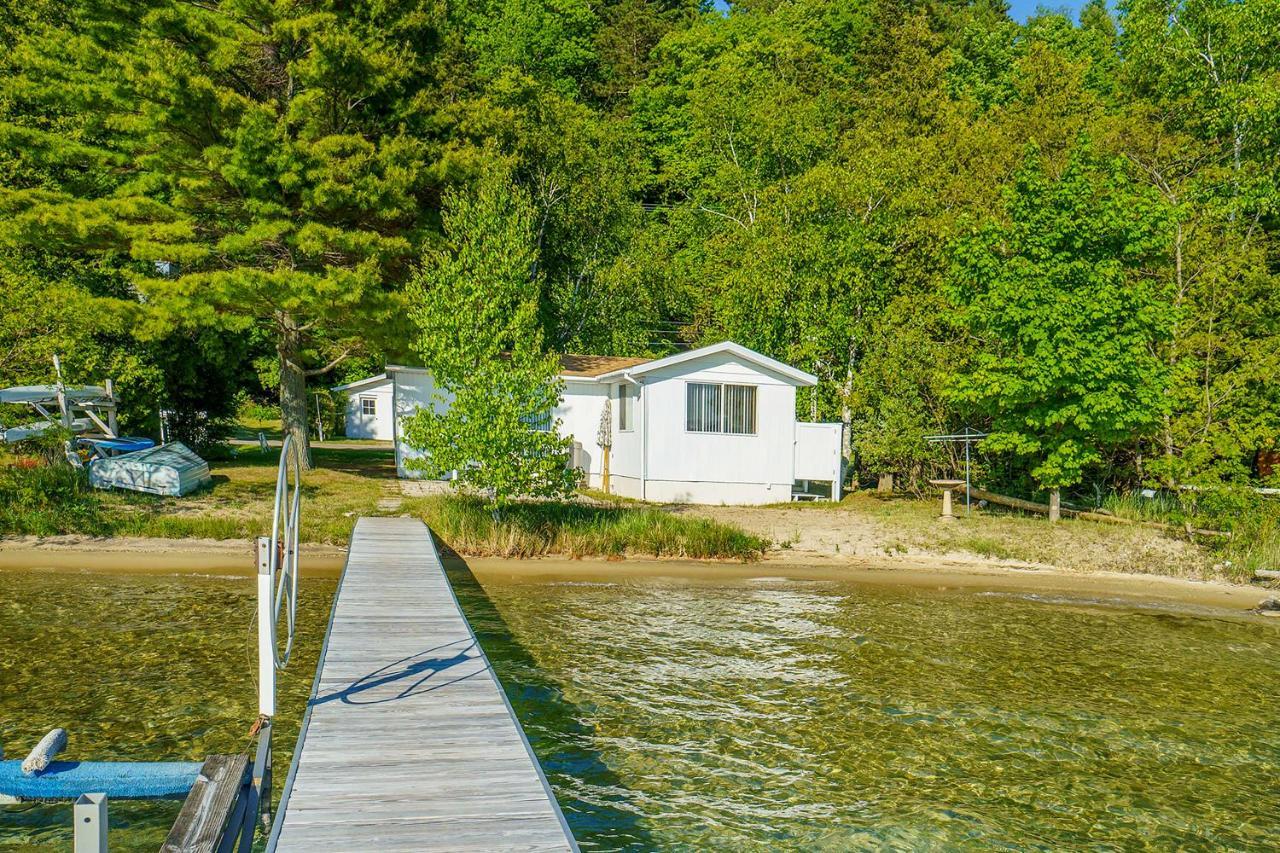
pixel 946 486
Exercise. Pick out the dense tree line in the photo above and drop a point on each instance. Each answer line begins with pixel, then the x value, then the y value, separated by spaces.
pixel 1063 232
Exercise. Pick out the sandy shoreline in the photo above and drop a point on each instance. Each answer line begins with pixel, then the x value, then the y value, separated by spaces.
pixel 234 557
pixel 138 555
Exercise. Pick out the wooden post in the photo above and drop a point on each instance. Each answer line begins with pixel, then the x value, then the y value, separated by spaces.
pixel 604 477
pixel 207 821
pixel 885 486
pixel 1055 505
pixel 112 426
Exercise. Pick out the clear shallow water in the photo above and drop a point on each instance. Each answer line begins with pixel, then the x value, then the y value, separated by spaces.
pixel 684 715
pixel 138 667
pixel 681 715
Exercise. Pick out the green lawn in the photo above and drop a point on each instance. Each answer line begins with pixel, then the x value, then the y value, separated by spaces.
pixel 45 500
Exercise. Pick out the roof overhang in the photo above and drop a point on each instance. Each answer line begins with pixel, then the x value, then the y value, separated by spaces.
pixel 793 375
pixel 408 368
pixel 362 383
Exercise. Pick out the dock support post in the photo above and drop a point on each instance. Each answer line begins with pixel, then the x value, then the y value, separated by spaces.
pixel 90 816
pixel 266 632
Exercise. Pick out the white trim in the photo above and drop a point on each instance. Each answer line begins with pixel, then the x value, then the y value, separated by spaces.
pixel 360 383
pixel 795 375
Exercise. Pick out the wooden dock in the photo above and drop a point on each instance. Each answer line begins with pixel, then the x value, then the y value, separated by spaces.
pixel 409 742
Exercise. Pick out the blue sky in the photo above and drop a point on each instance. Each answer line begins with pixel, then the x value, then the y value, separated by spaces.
pixel 1019 9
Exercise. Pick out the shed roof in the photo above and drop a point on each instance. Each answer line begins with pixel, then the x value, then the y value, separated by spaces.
pixel 361 383
pixel 575 366
pixel 571 365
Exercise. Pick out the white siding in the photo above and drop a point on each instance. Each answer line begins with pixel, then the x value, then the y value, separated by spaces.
pixel 360 425
pixel 719 467
pixel 658 459
pixel 413 390
pixel 579 415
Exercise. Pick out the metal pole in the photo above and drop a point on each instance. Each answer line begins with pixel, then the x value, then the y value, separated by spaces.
pixel 90 816
pixel 967 498
pixel 266 632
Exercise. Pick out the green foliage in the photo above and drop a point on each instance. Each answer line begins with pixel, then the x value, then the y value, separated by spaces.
pixel 475 303
pixel 267 163
pixel 808 177
pixel 46 499
pixel 1066 322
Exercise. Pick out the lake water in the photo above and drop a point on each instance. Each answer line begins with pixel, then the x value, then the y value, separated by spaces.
pixel 682 714
pixel 139 668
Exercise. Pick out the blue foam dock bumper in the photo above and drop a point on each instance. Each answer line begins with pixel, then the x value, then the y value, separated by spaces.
pixel 119 780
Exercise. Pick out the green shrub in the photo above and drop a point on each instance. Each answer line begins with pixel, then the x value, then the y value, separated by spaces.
pixel 41 499
pixel 1251 519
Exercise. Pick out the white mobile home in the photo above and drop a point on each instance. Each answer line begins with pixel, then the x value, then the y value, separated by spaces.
pixel 369 412
pixel 712 425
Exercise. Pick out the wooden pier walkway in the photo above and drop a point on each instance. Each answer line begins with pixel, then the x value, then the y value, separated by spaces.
pixel 409 742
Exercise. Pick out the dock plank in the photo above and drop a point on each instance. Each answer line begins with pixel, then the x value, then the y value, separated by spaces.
pixel 409 742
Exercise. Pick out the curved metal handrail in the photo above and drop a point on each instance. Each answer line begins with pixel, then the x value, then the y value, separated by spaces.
pixel 283 547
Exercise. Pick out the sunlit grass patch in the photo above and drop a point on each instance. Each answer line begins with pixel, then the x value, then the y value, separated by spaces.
pixel 535 528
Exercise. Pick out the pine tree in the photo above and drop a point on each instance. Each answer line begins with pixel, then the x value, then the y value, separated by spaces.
pixel 266 163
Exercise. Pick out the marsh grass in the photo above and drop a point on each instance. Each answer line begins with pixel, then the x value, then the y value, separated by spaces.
pixel 573 529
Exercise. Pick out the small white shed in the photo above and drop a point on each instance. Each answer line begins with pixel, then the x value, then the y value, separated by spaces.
pixel 369 408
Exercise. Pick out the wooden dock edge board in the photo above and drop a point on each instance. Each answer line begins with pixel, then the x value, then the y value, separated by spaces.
pixel 277 819
pixel 277 823
pixel 515 720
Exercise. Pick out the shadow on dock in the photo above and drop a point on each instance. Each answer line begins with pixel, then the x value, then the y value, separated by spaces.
pixel 427 670
pixel 557 733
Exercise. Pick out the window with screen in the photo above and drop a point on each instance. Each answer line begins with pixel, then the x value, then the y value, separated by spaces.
pixel 540 422
pixel 711 407
pixel 369 406
pixel 626 408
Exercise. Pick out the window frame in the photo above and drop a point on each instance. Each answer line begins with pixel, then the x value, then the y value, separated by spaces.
pixel 723 396
pixel 626 404
pixel 373 404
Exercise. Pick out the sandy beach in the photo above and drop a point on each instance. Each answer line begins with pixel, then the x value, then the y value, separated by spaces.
pixel 176 556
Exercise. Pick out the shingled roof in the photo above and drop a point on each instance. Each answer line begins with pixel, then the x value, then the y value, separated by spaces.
pixel 596 365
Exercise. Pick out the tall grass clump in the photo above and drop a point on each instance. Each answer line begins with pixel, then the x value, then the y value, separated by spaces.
pixel 41 499
pixel 1251 520
pixel 535 528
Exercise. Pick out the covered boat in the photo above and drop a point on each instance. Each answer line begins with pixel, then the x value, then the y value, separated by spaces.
pixel 171 469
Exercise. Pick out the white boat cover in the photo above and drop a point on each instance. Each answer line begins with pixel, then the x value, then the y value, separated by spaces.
pixel 170 469
pixel 49 393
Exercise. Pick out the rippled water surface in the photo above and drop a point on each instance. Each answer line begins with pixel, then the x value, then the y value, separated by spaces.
pixel 803 715
pixel 138 667
pixel 749 715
